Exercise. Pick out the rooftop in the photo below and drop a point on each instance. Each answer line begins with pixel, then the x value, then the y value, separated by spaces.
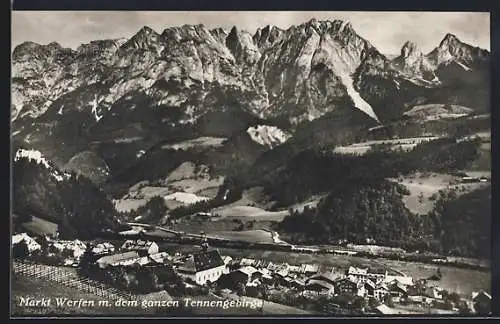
pixel 202 260
pixel 139 244
pixel 248 270
pixel 354 270
pixel 114 258
pixel 326 276
pixel 320 283
pixel 475 294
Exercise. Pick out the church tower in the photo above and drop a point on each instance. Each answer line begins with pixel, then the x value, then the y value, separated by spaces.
pixel 204 242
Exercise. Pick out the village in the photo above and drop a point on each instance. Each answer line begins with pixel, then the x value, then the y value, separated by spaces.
pixel 141 266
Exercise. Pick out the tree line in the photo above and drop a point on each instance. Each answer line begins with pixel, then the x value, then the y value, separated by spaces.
pixel 361 204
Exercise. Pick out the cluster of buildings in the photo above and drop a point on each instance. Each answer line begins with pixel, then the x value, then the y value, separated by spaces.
pixel 206 266
pixel 63 252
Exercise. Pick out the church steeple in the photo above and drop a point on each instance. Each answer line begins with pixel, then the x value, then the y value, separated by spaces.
pixel 204 242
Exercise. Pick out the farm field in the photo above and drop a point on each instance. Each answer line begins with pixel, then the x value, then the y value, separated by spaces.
pixel 126 205
pixel 204 142
pixel 249 213
pixel 194 225
pixel 258 236
pixel 39 225
pixel 424 188
pixel 402 143
pixel 462 281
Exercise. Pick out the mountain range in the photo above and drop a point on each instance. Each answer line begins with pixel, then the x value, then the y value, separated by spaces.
pixel 119 99
pixel 256 126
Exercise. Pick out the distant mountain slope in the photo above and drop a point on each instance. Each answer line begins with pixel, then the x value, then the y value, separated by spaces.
pixel 39 189
pixel 89 165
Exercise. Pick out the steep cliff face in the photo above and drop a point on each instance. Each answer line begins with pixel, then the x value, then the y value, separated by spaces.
pixel 242 46
pixel 308 72
pixel 267 37
pixel 452 49
pixel 414 63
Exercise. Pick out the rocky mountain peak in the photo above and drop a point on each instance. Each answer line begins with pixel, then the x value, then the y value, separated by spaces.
pixel 413 63
pixel 146 30
pixel 336 26
pixel 54 46
pixel 31 48
pixel 267 36
pixel 298 75
pixel 24 48
pixel 142 39
pixel 452 49
pixel 220 34
pixel 449 40
pixel 242 46
pixel 410 48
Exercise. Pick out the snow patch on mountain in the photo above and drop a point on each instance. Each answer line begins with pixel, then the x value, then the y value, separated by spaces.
pixel 268 135
pixel 37 157
pixel 359 102
pixel 466 68
pixel 95 111
pixel 32 155
pixel 344 65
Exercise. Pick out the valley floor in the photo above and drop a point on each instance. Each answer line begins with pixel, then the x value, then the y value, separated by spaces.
pixel 461 281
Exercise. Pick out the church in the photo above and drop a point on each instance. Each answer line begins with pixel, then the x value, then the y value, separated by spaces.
pixel 203 266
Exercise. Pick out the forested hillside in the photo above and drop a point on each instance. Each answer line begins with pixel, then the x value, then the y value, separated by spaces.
pixel 73 202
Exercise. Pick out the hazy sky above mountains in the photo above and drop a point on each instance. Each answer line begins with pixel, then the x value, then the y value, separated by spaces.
pixel 385 30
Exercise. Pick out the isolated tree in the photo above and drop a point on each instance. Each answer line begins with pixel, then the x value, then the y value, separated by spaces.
pixel 20 250
pixel 241 289
pixel 154 210
pixel 388 301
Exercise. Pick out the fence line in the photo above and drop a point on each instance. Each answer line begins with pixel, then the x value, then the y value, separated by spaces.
pixel 69 278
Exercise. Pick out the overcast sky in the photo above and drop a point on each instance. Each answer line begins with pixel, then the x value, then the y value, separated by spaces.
pixel 385 30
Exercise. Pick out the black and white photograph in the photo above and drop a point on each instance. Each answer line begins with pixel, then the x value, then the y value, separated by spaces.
pixel 250 163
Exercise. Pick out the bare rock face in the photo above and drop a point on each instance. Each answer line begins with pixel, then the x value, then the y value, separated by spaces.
pixel 308 72
pixel 452 49
pixel 242 47
pixel 268 36
pixel 414 63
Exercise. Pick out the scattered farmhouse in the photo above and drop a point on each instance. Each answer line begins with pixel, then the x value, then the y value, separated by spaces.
pixel 31 243
pixel 397 291
pixel 142 247
pixel 319 286
pixel 137 259
pixel 403 280
pixel 71 250
pixel 377 275
pixel 346 286
pixel 381 291
pixel 117 259
pixel 327 277
pixel 247 275
pixel 103 248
